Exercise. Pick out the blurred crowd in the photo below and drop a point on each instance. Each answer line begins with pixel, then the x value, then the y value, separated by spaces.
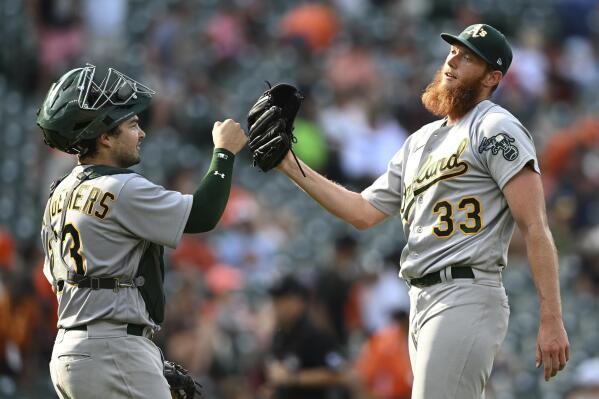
pixel 280 284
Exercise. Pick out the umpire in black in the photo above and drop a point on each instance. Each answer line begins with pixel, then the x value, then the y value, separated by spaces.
pixel 305 361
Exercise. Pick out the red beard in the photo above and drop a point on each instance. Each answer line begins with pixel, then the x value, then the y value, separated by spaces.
pixel 454 102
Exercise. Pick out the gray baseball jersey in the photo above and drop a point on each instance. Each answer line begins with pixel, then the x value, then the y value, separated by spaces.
pixel 109 223
pixel 446 185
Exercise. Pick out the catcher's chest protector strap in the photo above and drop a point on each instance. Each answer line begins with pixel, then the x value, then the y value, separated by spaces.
pixel 149 278
pixel 150 275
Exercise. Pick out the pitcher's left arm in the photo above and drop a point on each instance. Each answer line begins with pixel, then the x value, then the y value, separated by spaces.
pixel 524 194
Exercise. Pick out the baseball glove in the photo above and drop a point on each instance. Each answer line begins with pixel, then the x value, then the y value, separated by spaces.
pixel 182 385
pixel 270 125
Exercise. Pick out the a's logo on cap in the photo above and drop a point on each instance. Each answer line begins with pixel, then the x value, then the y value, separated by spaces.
pixel 480 33
pixel 499 62
pixel 476 31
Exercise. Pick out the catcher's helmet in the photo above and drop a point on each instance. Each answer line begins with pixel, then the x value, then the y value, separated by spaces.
pixel 77 108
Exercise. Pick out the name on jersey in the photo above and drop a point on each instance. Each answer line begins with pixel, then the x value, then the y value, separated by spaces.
pixel 432 171
pixel 86 199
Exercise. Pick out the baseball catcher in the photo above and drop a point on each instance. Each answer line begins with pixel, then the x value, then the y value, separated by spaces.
pixel 270 125
pixel 104 231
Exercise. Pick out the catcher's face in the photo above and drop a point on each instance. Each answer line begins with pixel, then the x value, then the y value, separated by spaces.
pixel 126 145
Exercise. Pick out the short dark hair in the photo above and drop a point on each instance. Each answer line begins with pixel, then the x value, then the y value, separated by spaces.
pixel 289 286
pixel 91 146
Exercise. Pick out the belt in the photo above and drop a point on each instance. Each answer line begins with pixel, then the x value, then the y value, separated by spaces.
pixel 435 278
pixel 109 283
pixel 132 329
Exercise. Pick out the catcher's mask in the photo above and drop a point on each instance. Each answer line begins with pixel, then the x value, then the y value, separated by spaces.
pixel 78 108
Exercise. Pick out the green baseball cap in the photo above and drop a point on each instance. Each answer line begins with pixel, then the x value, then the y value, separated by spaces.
pixel 486 42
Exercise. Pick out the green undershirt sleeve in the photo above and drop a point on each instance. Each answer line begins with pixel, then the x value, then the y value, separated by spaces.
pixel 210 199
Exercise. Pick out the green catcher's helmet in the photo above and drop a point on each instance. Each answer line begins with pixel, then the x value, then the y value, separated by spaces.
pixel 77 108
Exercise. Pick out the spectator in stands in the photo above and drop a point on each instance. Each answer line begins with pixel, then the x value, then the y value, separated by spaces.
pixel 305 360
pixel 333 286
pixel 384 362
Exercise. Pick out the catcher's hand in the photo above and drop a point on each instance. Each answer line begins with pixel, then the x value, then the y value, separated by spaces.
pixel 270 125
pixel 182 385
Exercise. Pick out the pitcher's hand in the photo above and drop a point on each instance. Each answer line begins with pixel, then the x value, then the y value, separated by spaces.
pixel 553 348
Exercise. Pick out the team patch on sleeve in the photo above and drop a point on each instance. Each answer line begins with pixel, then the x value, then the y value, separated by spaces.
pixel 500 142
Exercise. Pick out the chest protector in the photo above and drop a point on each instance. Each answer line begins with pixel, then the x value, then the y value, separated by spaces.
pixel 149 279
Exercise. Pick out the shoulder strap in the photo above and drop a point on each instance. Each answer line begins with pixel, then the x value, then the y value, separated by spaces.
pixel 92 172
pixel 95 171
pixel 56 182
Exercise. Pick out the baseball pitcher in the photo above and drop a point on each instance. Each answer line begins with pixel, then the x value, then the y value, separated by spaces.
pixel 103 233
pixel 459 186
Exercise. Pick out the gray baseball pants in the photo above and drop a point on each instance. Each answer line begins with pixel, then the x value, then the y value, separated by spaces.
pixel 104 362
pixel 456 329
